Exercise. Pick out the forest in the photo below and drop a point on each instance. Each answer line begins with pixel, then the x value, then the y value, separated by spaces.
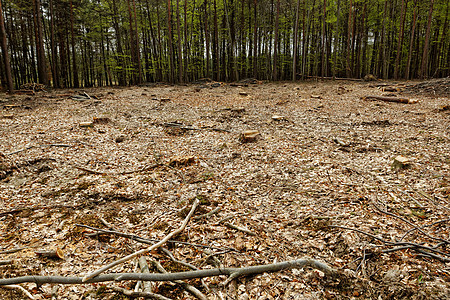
pixel 88 43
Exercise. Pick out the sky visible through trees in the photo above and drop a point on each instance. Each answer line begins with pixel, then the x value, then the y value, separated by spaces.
pixel 74 43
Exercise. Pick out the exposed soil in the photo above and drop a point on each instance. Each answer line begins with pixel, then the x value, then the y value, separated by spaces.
pixel 324 157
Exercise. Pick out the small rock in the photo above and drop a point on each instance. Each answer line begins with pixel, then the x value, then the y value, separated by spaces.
pixel 243 93
pixel 8 117
pixel 249 136
pixel 401 162
pixel 316 96
pixel 86 124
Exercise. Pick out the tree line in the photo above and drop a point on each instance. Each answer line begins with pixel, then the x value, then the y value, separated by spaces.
pixel 75 43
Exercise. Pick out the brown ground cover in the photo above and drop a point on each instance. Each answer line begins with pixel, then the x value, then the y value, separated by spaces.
pixel 134 159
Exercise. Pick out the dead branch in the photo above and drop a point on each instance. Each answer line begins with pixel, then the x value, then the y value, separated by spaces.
pixel 189 288
pixel 217 209
pixel 411 224
pixel 134 294
pixel 6 262
pixel 18 287
pixel 147 285
pixel 58 253
pixel 12 250
pixel 183 263
pixel 236 272
pixel 390 99
pixel 242 229
pixel 414 246
pixel 143 251
pixel 423 226
pixel 145 240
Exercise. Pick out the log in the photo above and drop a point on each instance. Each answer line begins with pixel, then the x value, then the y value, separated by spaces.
pixel 58 253
pixel 390 99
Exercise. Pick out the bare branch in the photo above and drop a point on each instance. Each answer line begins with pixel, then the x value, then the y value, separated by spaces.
pixel 244 271
pixel 18 287
pixel 134 294
pixel 191 289
pixel 143 251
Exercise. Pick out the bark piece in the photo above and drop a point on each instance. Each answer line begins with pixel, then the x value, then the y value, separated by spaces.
pixel 249 136
pixel 181 161
pixel 86 124
pixel 401 162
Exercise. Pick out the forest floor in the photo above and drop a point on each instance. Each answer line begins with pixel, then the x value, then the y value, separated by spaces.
pixel 132 160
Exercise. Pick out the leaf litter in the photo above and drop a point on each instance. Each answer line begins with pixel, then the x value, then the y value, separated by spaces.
pixel 320 167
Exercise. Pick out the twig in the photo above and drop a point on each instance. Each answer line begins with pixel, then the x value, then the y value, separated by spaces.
pixel 244 271
pixel 147 285
pixel 183 263
pixel 170 255
pixel 12 287
pixel 20 150
pixel 412 245
pixel 406 221
pixel 218 208
pixel 145 240
pixel 143 251
pixel 189 288
pixel 423 226
pixel 6 262
pixel 245 230
pixel 134 294
pixel 12 250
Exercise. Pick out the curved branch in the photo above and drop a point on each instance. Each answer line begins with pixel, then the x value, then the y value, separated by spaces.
pixel 146 250
pixel 244 271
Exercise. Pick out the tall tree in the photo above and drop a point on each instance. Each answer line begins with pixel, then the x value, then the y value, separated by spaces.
pixel 41 60
pixel 423 68
pixel 5 56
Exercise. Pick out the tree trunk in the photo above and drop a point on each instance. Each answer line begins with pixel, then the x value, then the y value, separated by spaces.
pixel 41 60
pixel 424 66
pixel 294 58
pixel 6 62
pixel 400 38
pixel 275 49
pixel 76 82
pixel 169 28
pixel 180 57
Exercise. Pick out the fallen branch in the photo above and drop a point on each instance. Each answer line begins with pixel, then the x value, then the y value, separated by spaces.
pixel 134 294
pixel 183 263
pixel 147 285
pixel 390 99
pixel 6 262
pixel 145 240
pixel 236 272
pixel 58 253
pixel 408 222
pixel 218 208
pixel 189 288
pixel 242 229
pixel 414 246
pixel 12 250
pixel 18 287
pixel 423 226
pixel 143 251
